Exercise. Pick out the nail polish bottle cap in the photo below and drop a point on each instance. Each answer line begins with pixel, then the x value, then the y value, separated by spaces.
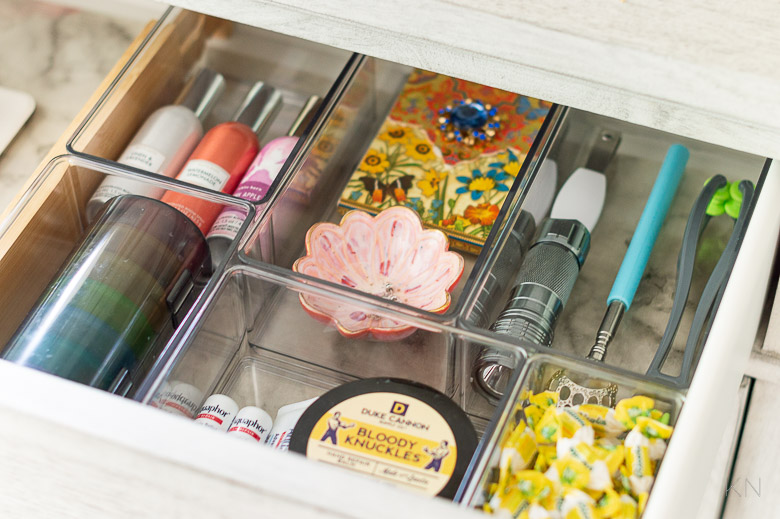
pixel 260 106
pixel 202 92
pixel 304 117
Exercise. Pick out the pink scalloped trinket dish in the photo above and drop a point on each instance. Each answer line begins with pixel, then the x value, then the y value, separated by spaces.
pixel 389 255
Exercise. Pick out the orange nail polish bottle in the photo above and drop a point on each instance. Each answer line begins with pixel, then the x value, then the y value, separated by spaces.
pixel 224 154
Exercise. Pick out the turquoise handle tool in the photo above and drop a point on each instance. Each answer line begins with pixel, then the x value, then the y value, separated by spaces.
pixel 653 216
pixel 635 260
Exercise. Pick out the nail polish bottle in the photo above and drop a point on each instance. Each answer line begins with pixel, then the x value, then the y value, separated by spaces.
pixel 164 141
pixel 257 180
pixel 224 154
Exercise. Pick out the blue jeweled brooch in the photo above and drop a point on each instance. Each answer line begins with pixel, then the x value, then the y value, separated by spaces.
pixel 469 122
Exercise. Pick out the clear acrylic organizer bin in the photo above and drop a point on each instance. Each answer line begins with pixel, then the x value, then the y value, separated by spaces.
pixel 630 177
pixel 181 43
pixel 317 176
pixel 535 376
pixel 252 340
pixel 49 221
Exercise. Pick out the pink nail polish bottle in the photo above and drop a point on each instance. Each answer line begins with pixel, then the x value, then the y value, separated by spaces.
pixel 256 182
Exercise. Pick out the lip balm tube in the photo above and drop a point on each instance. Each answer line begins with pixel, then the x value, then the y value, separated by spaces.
pixel 251 423
pixel 159 396
pixel 183 399
pixel 164 141
pixel 257 180
pixel 286 418
pixel 217 412
pixel 224 154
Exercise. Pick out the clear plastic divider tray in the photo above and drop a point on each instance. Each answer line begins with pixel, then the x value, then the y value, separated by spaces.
pixel 535 377
pixel 182 43
pixel 49 223
pixel 317 178
pixel 255 342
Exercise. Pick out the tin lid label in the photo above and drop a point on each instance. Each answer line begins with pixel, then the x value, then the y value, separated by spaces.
pixel 390 436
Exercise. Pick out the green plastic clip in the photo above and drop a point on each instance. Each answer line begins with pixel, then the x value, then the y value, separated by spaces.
pixel 727 199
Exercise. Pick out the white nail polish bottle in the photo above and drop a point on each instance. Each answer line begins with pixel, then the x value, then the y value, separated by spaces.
pixel 164 141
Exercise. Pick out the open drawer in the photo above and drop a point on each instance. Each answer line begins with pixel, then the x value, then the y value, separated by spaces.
pixel 278 239
pixel 231 348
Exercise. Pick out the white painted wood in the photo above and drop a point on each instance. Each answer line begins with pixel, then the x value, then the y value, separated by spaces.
pixel 771 345
pixel 67 450
pixel 763 367
pixel 753 491
pixel 707 70
pixel 681 478
pixel 711 504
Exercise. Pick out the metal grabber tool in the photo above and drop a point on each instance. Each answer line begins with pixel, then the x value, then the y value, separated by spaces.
pixel 626 282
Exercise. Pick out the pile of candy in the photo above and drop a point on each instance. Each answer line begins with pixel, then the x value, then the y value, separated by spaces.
pixel 581 462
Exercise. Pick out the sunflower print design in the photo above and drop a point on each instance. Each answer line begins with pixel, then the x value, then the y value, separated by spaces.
pixel 455 188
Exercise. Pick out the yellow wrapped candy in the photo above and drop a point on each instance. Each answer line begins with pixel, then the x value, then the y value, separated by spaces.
pixel 624 485
pixel 608 505
pixel 601 418
pixel 584 465
pixel 548 430
pixel 628 409
pixel 545 399
pixel 600 478
pixel 653 428
pixel 638 461
pixel 657 449
pixel 569 472
pixel 567 446
pixel 519 436
pixel 582 452
pixel 628 508
pixel 545 457
pixel 535 511
pixel 640 484
pixel 613 456
pixel 533 413
pixel 519 452
pixel 512 501
pixel 533 486
pixel 581 511
pixel 571 422
pixel 642 502
pixel 578 505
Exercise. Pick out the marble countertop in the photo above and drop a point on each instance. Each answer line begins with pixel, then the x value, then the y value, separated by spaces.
pixel 59 55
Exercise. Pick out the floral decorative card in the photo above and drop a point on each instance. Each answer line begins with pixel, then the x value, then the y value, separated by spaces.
pixel 449 149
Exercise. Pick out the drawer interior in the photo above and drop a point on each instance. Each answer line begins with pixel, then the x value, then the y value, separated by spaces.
pixel 250 337
pixel 315 182
pixel 255 342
